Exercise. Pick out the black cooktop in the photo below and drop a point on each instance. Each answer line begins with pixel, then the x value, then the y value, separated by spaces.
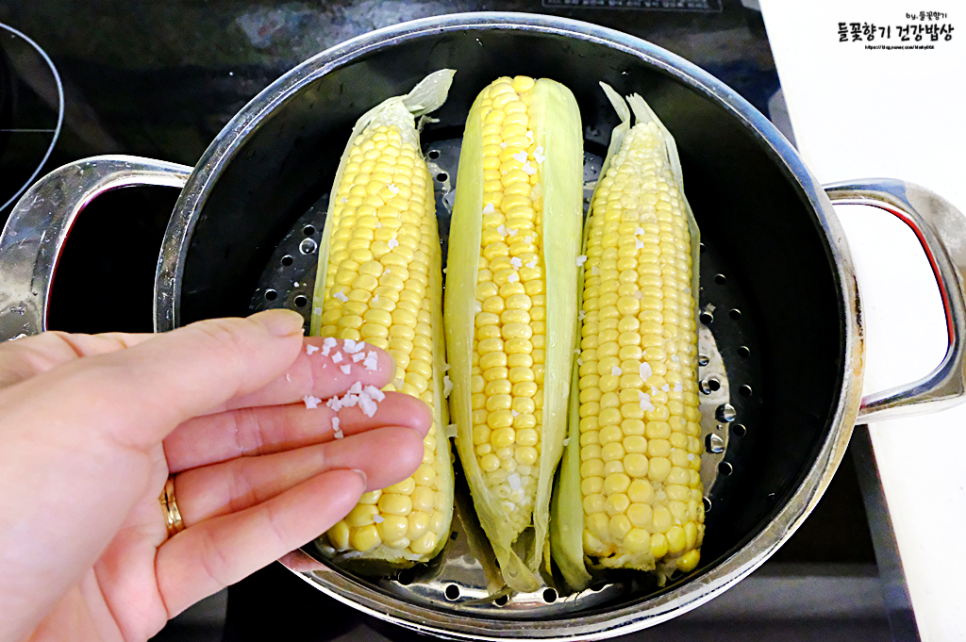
pixel 160 78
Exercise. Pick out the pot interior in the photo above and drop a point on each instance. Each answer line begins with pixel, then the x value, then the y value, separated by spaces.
pixel 765 253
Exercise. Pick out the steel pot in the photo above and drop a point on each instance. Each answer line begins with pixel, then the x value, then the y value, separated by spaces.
pixel 782 324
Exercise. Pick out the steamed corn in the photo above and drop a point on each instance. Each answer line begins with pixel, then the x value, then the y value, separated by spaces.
pixel 379 281
pixel 511 305
pixel 630 493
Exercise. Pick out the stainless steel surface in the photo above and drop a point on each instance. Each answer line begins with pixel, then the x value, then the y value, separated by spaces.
pixel 941 229
pixel 643 611
pixel 34 236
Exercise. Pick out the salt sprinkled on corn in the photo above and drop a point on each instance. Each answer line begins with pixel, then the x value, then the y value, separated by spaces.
pixel 646 370
pixel 392 188
pixel 529 169
pixel 489 209
pixel 516 262
pixel 581 259
pixel 340 295
pixel 615 371
pixel 393 244
pixel 520 157
pixel 447 386
pixel 378 519
pixel 645 401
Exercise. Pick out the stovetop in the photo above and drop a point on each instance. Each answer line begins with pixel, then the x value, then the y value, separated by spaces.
pixel 160 78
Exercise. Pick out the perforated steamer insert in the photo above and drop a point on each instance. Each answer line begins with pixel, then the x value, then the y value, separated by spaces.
pixel 729 380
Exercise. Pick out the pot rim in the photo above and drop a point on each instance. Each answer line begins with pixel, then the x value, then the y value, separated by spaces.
pixel 697 590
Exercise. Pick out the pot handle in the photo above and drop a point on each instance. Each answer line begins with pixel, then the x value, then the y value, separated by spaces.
pixel 35 233
pixel 941 230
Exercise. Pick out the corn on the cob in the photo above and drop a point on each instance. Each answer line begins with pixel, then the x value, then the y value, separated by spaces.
pixel 630 495
pixel 380 281
pixel 510 307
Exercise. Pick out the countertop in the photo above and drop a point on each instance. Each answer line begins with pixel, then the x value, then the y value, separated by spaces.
pixel 861 113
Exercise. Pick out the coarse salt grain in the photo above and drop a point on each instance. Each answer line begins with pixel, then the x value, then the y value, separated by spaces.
pixel 375 393
pixel 645 401
pixel 515 413
pixel 639 231
pixel 357 357
pixel 520 157
pixel 393 243
pixel 311 349
pixel 529 136
pixel 678 388
pixel 532 264
pixel 317 311
pixel 639 245
pixel 666 388
pixel 503 145
pixel 501 230
pixel 514 481
pixel 311 402
pixel 378 519
pixel 338 434
pixel 580 362
pixel 511 232
pixel 528 240
pixel 615 371
pixel 489 209
pixel 288 377
pixel 529 169
pixel 646 371
pixel 538 154
pixel 595 271
pixel 344 200
pixel 340 295
pixel 581 315
pixel 375 299
pixel 447 386
pixel 352 347
pixel 367 404
pixel 355 388
pixel 392 188
pixel 335 425
pixel 371 362
pixel 675 358
pixel 327 344
pixel 581 259
pixel 690 456
pixel 516 262
pixel 346 369
pixel 337 357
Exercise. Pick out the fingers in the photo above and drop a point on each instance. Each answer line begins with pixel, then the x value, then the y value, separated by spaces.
pixel 264 430
pixel 385 455
pixel 209 556
pixel 30 356
pixel 322 375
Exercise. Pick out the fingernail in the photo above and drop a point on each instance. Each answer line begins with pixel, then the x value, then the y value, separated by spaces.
pixel 365 479
pixel 280 323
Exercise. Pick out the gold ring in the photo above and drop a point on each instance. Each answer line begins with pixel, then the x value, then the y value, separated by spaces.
pixel 172 516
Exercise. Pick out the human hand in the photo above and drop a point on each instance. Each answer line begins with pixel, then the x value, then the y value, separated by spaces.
pixel 92 426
